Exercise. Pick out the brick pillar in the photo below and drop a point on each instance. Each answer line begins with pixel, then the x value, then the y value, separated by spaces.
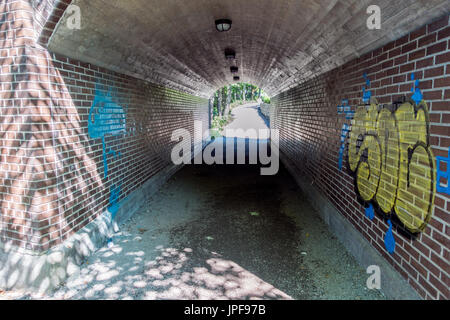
pixel 38 121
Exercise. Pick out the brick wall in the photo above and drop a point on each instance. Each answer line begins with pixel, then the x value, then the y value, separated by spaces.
pixel 265 109
pixel 53 177
pixel 310 135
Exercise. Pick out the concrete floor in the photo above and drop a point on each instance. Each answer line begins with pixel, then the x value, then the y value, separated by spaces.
pixel 221 232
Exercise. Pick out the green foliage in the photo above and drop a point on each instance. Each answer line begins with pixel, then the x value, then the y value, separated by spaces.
pixel 219 121
pixel 236 94
pixel 265 99
pixel 229 97
pixel 218 125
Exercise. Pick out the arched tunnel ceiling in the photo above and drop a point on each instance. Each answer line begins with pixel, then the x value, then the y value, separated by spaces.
pixel 278 43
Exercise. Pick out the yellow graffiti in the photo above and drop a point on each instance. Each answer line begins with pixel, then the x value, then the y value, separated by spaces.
pixel 392 160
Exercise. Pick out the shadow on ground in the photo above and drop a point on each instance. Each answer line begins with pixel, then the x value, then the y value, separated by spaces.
pixel 221 232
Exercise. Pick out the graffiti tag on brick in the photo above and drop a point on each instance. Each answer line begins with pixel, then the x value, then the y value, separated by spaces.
pixel 390 154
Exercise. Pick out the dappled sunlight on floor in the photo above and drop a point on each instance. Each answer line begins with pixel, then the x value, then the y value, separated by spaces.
pixel 220 232
pixel 171 274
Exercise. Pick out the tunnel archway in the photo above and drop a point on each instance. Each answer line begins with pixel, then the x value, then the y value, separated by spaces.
pixel 147 68
pixel 278 43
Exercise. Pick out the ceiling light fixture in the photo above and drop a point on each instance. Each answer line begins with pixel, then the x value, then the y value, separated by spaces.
pixel 223 25
pixel 230 54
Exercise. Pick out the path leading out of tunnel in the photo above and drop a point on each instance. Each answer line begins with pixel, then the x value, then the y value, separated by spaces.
pixel 221 232
pixel 247 117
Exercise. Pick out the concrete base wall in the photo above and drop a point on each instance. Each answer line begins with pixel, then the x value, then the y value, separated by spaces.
pixel 392 284
pixel 43 272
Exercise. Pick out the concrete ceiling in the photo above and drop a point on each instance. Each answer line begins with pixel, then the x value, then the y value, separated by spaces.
pixel 278 43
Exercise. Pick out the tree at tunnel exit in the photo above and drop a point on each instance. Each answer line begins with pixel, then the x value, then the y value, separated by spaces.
pixel 227 98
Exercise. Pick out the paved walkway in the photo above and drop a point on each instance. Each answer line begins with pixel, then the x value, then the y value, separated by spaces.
pixel 247 117
pixel 221 232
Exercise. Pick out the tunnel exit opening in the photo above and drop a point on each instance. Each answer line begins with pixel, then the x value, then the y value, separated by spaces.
pixel 227 98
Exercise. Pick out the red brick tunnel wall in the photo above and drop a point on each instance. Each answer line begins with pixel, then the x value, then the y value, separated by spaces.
pixel 75 139
pixel 138 150
pixel 311 125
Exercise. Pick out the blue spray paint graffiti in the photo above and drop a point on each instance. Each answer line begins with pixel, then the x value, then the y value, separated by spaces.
pixel 114 199
pixel 370 213
pixel 107 118
pixel 443 174
pixel 417 96
pixel 344 109
pixel 367 94
pixel 389 241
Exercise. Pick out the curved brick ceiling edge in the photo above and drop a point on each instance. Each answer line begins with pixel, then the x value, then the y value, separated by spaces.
pixel 278 43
